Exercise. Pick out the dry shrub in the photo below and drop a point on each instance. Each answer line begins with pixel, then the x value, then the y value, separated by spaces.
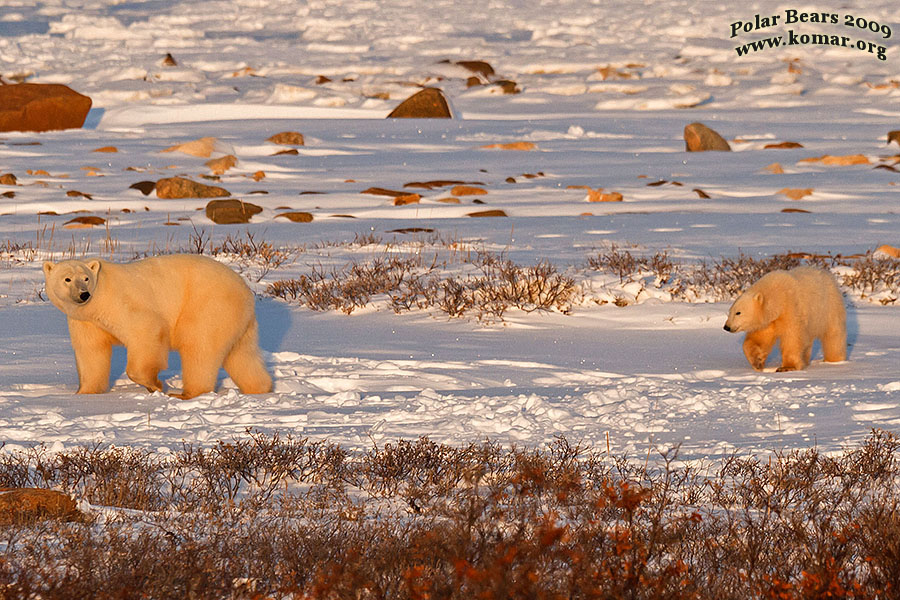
pixel 269 516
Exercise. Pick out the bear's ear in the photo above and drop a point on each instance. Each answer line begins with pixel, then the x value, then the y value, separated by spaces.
pixel 48 266
pixel 94 266
pixel 758 298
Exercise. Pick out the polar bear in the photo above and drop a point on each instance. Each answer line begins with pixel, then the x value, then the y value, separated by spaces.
pixel 796 307
pixel 189 303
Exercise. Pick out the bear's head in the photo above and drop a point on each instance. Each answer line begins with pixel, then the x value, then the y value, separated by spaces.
pixel 747 313
pixel 71 283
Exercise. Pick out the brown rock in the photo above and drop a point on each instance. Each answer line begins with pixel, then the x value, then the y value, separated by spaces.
pixel 488 213
pixel 169 61
pixel 701 194
pixel 449 200
pixel 477 66
pixel 219 165
pixel 77 194
pixel 202 147
pixel 794 210
pixel 407 199
pixel 782 146
pixel 889 250
pixel 523 146
pixel 473 82
pixel 429 103
pixel 8 179
pixel 508 87
pixel 774 168
pixel 84 222
pixel 106 149
pixel 700 138
pixel 893 136
pixel 467 190
pixel 145 187
pixel 795 193
pixel 27 505
pixel 599 196
pixel 378 191
pixel 837 161
pixel 430 185
pixel 258 176
pixel 231 212
pixel 287 138
pixel 179 187
pixel 41 107
pixel 291 151
pixel 297 216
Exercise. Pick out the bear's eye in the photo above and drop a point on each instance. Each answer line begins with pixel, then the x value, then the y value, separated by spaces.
pixel 68 280
pixel 737 313
pixel 85 279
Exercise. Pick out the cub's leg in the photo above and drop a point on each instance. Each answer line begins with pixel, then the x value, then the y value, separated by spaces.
pixel 834 343
pixel 246 366
pixel 795 353
pixel 757 346
pixel 93 353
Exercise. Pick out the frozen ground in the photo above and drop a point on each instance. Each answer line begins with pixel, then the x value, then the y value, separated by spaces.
pixel 605 95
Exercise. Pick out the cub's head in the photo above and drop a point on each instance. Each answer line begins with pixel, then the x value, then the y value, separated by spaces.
pixel 71 283
pixel 747 313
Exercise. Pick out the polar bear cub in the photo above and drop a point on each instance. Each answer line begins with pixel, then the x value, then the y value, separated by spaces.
pixel 795 307
pixel 184 302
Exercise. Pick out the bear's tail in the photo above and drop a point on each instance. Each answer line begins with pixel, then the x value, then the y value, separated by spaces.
pixel 245 365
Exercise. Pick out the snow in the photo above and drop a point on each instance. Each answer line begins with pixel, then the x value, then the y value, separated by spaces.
pixel 605 96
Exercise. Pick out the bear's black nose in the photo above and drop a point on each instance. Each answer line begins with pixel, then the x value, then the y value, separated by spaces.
pixel 85 296
pixel 726 327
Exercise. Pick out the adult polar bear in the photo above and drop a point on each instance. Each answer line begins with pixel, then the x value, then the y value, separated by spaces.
pixel 185 302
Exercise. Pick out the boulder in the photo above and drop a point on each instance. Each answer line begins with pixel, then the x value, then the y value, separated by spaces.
pixel 894 136
pixel 428 103
pixel 231 212
pixel 296 216
pixel 8 179
pixel 145 187
pixel 467 190
pixel 700 138
pixel 219 165
pixel 287 138
pixel 179 187
pixel 26 505
pixel 488 213
pixel 41 107
pixel 84 222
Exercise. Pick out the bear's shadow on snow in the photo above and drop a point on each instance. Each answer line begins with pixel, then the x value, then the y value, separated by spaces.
pixel 273 317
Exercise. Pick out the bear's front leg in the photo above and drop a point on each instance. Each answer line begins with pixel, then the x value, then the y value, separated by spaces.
pixel 795 353
pixel 757 346
pixel 146 358
pixel 93 354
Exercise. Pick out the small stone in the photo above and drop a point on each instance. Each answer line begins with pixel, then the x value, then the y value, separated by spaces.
pixel 322 79
pixel 145 187
pixel 794 210
pixel 510 180
pixel 41 107
pixel 219 165
pixel 894 136
pixel 202 147
pixel 258 176
pixel 449 200
pixel 287 138
pixel 477 66
pixel 27 505
pixel 796 193
pixel 700 138
pixel 774 168
pixel 430 185
pixel 8 179
pixel 467 190
pixel 599 196
pixel 169 61
pixel 701 194
pixel 8 194
pixel 231 212
pixel 290 151
pixel 179 187
pixel 297 216
pixel 77 194
pixel 837 161
pixel 473 82
pixel 508 87
pixel 106 149
pixel 488 213
pixel 782 146
pixel 520 146
pixel 84 222
pixel 429 103
pixel 378 191
pixel 407 199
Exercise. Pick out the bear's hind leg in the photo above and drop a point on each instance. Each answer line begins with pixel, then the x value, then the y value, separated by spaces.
pixel 757 346
pixel 795 353
pixel 246 366
pixel 199 371
pixel 93 354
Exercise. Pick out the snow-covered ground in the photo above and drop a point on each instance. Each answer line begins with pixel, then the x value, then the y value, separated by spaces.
pixel 604 96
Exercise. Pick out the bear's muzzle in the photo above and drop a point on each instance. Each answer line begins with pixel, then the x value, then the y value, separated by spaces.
pixel 84 296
